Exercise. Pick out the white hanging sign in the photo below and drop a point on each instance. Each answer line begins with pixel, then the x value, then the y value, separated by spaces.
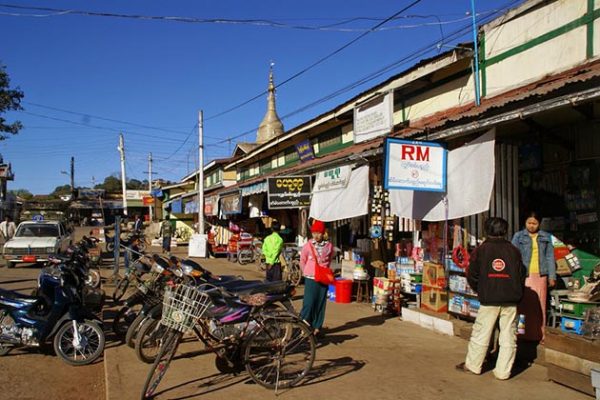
pixel 334 178
pixel 412 165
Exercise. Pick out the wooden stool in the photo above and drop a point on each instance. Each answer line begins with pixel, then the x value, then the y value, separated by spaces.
pixel 363 291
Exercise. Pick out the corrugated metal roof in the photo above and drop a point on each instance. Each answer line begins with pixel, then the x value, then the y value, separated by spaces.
pixel 533 91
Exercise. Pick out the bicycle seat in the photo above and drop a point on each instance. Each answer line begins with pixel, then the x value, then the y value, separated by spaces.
pixel 255 287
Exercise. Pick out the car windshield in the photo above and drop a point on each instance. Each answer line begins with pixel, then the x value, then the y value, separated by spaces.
pixel 37 230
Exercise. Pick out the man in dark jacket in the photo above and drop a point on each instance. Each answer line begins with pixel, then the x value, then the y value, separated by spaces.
pixel 497 273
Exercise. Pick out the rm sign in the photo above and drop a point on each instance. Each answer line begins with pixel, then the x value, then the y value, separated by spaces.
pixel 412 165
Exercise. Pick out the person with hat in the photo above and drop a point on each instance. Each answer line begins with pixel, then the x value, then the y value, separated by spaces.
pixel 316 251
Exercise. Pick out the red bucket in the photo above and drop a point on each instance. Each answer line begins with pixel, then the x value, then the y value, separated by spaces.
pixel 343 291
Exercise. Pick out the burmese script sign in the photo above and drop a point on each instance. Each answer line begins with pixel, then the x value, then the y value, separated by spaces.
pixel 305 150
pixel 289 192
pixel 413 165
pixel 334 178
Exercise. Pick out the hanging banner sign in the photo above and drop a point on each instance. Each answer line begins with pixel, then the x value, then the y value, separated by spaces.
pixel 211 205
pixel 148 200
pixel 305 151
pixel 136 194
pixel 231 204
pixel 411 165
pixel 334 178
pixel 373 118
pixel 289 192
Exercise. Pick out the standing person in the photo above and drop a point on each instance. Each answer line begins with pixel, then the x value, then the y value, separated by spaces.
pixel 165 232
pixel 496 272
pixel 272 246
pixel 138 224
pixel 537 251
pixel 7 228
pixel 316 250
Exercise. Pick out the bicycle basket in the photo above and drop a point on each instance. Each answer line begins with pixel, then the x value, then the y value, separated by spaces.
pixel 183 306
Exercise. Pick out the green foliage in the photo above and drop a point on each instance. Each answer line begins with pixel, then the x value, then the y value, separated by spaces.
pixel 10 100
pixel 112 184
pixel 22 193
pixel 60 190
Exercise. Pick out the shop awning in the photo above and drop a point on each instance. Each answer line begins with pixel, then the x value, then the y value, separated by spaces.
pixel 260 187
pixel 349 202
pixel 470 180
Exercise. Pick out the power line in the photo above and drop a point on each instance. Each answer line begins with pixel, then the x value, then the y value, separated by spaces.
pixel 96 126
pixel 416 54
pixel 261 22
pixel 319 61
pixel 107 119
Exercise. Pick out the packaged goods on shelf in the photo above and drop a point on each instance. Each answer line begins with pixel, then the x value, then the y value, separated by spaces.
pixel 434 299
pixel 434 275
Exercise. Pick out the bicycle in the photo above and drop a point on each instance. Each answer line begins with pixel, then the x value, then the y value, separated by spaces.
pixel 277 349
pixel 290 265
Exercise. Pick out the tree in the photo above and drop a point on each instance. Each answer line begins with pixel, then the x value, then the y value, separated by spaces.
pixel 135 184
pixel 22 193
pixel 10 99
pixel 61 190
pixel 111 184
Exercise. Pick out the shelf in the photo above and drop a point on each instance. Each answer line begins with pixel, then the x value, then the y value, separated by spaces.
pixel 411 293
pixel 463 294
pixel 452 271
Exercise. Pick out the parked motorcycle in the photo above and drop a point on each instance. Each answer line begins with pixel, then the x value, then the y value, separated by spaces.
pixel 56 313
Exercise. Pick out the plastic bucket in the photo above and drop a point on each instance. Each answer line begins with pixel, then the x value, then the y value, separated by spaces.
pixel 343 291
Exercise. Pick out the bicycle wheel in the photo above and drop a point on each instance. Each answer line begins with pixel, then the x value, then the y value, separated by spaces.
pixel 120 290
pixel 295 274
pixel 124 318
pixel 149 339
pixel 161 364
pixel 280 353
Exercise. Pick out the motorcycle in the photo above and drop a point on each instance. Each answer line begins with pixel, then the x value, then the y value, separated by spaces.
pixel 57 312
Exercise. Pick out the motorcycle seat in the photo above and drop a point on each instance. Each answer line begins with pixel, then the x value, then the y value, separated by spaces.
pixel 255 287
pixel 15 296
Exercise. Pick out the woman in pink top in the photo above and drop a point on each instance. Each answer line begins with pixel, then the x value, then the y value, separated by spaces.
pixel 315 293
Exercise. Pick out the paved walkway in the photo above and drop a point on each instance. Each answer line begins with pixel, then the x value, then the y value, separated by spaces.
pixel 364 356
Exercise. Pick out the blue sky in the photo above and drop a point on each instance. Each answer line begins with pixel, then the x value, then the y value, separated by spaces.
pixel 86 78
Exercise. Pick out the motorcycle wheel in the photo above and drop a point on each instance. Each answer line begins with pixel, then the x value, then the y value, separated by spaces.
pixel 120 290
pixel 93 278
pixel 5 348
pixel 90 347
pixel 133 330
pixel 149 340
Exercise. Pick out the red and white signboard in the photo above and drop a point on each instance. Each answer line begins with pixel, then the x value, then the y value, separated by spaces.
pixel 411 165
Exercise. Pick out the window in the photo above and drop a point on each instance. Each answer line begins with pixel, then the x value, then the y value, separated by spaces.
pixel 291 155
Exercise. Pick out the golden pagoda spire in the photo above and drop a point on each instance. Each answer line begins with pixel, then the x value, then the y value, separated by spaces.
pixel 271 126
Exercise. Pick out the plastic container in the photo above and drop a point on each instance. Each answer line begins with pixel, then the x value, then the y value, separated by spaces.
pixel 343 291
pixel 331 292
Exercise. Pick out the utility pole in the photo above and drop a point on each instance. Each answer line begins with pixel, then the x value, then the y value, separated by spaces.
pixel 72 177
pixel 121 149
pixel 150 185
pixel 200 174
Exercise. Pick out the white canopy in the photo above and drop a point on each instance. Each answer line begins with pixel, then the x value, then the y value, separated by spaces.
pixel 471 170
pixel 351 201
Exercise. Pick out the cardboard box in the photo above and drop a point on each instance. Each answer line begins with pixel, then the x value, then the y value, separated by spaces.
pixel 434 275
pixel 434 299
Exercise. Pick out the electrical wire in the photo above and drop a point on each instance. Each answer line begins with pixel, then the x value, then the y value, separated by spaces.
pixel 414 55
pixel 261 22
pixel 319 61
